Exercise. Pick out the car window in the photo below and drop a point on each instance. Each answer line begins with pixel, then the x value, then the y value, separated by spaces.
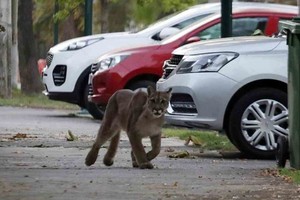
pixel 240 27
pixel 185 23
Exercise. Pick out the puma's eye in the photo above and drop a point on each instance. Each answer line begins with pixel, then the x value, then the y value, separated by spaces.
pixel 152 100
pixel 162 101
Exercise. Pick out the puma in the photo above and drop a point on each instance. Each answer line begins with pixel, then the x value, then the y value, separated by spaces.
pixel 140 115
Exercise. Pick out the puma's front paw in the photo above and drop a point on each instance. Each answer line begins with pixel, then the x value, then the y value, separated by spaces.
pixel 146 165
pixel 134 164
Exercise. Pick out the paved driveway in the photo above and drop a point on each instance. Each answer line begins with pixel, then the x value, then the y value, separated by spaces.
pixel 42 164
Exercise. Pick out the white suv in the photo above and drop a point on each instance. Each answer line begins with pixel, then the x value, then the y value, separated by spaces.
pixel 68 64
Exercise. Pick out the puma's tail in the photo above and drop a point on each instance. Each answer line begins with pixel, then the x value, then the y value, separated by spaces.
pixel 92 156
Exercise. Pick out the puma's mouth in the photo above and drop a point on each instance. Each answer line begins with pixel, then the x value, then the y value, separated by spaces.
pixel 157 113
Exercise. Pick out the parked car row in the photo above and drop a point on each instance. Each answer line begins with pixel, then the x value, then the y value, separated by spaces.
pixel 142 66
pixel 237 85
pixel 69 63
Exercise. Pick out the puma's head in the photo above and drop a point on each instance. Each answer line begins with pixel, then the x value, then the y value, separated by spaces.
pixel 158 101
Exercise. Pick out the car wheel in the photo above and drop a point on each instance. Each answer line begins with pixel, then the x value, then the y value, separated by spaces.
pixel 96 111
pixel 141 84
pixel 257 120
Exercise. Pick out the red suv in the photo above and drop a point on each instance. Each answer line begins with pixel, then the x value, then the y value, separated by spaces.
pixel 142 66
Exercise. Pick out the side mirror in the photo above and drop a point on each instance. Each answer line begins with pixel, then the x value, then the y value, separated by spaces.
pixel 165 32
pixel 192 39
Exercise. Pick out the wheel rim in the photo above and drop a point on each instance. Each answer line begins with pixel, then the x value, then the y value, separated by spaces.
pixel 263 122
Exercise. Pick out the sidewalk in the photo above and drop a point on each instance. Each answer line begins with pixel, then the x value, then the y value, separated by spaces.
pixel 46 166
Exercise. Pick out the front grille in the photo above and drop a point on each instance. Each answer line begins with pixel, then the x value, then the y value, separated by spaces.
pixel 94 68
pixel 175 59
pixel 170 65
pixel 59 74
pixel 167 68
pixel 49 59
pixel 182 103
pixel 91 93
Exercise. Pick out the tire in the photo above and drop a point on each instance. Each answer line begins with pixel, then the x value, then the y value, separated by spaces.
pixel 228 136
pixel 282 152
pixel 141 84
pixel 257 120
pixel 96 111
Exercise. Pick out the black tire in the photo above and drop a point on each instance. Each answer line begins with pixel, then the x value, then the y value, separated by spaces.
pixel 96 111
pixel 282 151
pixel 251 129
pixel 141 84
pixel 229 137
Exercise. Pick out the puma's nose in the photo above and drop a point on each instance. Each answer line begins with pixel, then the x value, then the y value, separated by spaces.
pixel 157 112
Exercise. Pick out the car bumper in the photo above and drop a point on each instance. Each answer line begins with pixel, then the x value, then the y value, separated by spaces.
pixel 65 68
pixel 69 97
pixel 198 99
pixel 104 84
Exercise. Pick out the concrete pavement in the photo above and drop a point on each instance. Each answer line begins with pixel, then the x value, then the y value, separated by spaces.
pixel 43 165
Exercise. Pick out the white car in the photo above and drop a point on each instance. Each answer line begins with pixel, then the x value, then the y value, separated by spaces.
pixel 237 85
pixel 68 64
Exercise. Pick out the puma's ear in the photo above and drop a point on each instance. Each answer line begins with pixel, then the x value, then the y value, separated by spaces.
pixel 150 90
pixel 169 91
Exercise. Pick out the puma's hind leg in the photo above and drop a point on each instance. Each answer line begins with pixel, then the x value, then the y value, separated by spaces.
pixel 109 128
pixel 92 155
pixel 104 134
pixel 112 150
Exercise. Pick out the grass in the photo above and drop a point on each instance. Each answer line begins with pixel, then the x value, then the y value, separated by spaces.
pixel 35 101
pixel 209 140
pixel 292 173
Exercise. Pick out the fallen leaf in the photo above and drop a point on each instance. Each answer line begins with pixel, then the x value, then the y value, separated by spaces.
pixel 196 141
pixel 182 154
pixel 71 137
pixel 19 135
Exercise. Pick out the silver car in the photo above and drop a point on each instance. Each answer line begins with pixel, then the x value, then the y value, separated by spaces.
pixel 237 85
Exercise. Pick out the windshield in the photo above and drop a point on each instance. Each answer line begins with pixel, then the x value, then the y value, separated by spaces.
pixel 156 23
pixel 183 18
pixel 190 28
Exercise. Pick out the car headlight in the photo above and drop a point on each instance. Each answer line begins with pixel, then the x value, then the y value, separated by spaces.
pixel 82 43
pixel 205 62
pixel 111 61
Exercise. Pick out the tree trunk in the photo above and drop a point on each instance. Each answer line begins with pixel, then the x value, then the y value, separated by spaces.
pixel 30 79
pixel 3 64
pixel 69 29
pixel 104 16
pixel 5 18
pixel 15 76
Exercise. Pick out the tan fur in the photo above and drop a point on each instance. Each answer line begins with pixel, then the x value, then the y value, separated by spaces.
pixel 140 115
